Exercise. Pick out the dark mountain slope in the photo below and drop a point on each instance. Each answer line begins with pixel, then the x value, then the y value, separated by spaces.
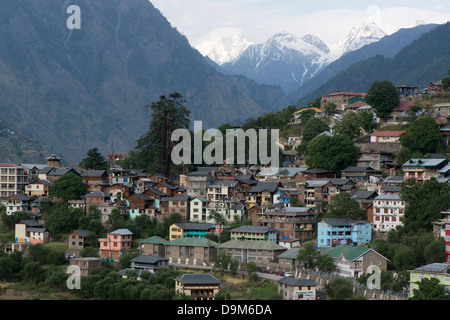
pixel 425 59
pixel 388 47
pixel 77 89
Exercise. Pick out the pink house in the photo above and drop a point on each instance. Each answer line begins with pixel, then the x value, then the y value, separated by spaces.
pixel 115 243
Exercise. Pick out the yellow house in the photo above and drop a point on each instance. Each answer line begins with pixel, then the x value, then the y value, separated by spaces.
pixel 317 113
pixel 433 270
pixel 175 232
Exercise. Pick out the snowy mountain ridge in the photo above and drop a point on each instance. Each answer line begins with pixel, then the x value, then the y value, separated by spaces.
pixel 284 59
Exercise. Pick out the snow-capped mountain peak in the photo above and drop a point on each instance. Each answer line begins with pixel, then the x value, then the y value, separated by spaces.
pixel 358 37
pixel 284 60
pixel 223 45
pixel 316 42
pixel 308 45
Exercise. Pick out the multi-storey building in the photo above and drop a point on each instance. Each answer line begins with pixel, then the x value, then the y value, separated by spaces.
pixel 341 99
pixel 18 202
pixel 198 209
pixel 423 169
pixel 291 222
pixel 263 253
pixel 317 192
pixel 335 231
pixel 388 212
pixel 247 232
pixel 86 265
pixel 447 234
pixel 38 188
pixel 220 190
pixel 153 246
pixel 13 179
pixel 354 261
pixel 191 251
pixel 440 271
pixel 115 243
pixel 190 230
pixel 198 286
pixel 197 182
pixel 229 211
pixel 176 204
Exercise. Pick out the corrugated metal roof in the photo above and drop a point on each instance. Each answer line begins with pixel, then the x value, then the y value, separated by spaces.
pixel 193 242
pixel 388 197
pixel 424 162
pixel 290 281
pixel 202 278
pixel 251 244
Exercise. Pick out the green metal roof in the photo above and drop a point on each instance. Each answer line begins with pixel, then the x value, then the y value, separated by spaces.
pixel 350 253
pixel 154 240
pixel 251 244
pixel 192 242
pixel 289 254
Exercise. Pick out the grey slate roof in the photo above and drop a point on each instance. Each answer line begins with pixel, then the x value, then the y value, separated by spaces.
pixel 252 244
pixel 362 194
pixel 93 173
pixel 31 223
pixel 290 281
pixel 434 267
pixel 388 197
pixel 202 278
pixel 82 233
pixel 338 221
pixel 176 198
pixel 194 226
pixel 148 259
pixel 270 186
pixel 424 162
pixel 122 232
pixel 37 230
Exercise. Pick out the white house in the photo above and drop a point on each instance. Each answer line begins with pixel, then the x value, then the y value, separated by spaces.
pixel 197 211
pixel 388 212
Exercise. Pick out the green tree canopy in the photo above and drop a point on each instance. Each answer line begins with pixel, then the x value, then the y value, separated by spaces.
pixel 94 161
pixel 344 206
pixel 422 135
pixel 331 153
pixel 384 97
pixel 312 128
pixel 68 187
pixel 425 201
pixel 168 115
pixel 350 125
pixel 446 83
pixel 430 289
pixel 61 218
pixel 308 255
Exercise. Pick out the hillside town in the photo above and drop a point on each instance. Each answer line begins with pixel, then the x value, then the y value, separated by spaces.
pixel 265 216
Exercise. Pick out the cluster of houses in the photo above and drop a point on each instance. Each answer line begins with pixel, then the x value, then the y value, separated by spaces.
pixel 282 207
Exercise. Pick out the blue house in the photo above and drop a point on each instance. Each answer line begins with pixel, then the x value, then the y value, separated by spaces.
pixel 283 197
pixel 337 231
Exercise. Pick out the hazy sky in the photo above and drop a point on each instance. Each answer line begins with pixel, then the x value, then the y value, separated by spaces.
pixel 330 20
